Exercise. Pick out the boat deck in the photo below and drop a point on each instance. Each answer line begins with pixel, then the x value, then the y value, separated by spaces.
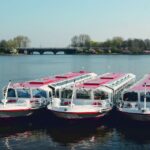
pixel 140 85
pixel 48 80
pixel 101 80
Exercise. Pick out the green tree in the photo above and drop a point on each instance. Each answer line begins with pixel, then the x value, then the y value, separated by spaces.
pixel 147 44
pixel 11 45
pixel 115 45
pixel 136 45
pixel 95 44
pixel 4 48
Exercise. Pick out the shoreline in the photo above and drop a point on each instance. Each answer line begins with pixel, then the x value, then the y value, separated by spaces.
pixel 70 54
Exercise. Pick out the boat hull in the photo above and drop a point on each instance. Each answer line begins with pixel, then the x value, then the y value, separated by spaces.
pixel 76 116
pixel 80 113
pixel 15 113
pixel 135 116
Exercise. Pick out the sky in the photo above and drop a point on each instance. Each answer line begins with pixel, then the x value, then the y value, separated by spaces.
pixel 52 23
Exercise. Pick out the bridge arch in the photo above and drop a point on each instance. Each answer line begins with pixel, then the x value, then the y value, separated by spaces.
pixel 41 51
pixel 60 53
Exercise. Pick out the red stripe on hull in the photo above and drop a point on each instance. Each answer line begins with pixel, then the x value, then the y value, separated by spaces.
pixel 79 115
pixel 17 110
pixel 84 113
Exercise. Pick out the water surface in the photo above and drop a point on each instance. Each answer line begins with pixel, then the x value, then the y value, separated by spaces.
pixel 29 136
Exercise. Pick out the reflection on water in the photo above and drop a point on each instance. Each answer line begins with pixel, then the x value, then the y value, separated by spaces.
pixel 138 134
pixel 73 135
pixel 77 138
pixel 31 136
pixel 37 135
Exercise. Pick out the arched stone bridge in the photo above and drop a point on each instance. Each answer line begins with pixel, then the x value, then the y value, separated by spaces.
pixel 30 51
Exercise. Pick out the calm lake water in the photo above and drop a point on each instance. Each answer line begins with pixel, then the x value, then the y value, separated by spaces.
pixel 30 135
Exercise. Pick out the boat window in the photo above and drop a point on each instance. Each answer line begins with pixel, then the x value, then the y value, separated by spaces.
pixel 53 89
pixel 66 93
pixel 38 93
pixel 23 93
pixel 50 94
pixel 57 93
pixel 11 93
pixel 100 95
pixel 130 96
pixel 83 94
pixel 142 95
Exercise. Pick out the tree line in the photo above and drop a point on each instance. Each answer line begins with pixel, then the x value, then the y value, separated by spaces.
pixel 84 44
pixel 10 46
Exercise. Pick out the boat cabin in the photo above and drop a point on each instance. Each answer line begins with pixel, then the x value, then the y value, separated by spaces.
pixel 102 89
pixel 135 95
pixel 44 88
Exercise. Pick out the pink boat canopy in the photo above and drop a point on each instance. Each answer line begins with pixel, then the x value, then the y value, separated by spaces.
pixel 142 84
pixel 48 80
pixel 101 80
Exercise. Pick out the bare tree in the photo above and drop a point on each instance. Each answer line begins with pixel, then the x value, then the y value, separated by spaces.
pixel 83 40
pixel 21 41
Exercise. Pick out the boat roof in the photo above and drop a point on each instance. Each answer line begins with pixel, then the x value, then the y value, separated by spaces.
pixel 105 79
pixel 48 80
pixel 140 85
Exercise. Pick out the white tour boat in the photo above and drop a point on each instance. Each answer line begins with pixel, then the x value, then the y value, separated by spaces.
pixel 135 104
pixel 23 99
pixel 92 99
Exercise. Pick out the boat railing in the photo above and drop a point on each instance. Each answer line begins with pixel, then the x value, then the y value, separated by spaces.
pixel 100 103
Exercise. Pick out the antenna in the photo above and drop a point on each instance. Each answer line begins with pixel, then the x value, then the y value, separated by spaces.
pixel 145 96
